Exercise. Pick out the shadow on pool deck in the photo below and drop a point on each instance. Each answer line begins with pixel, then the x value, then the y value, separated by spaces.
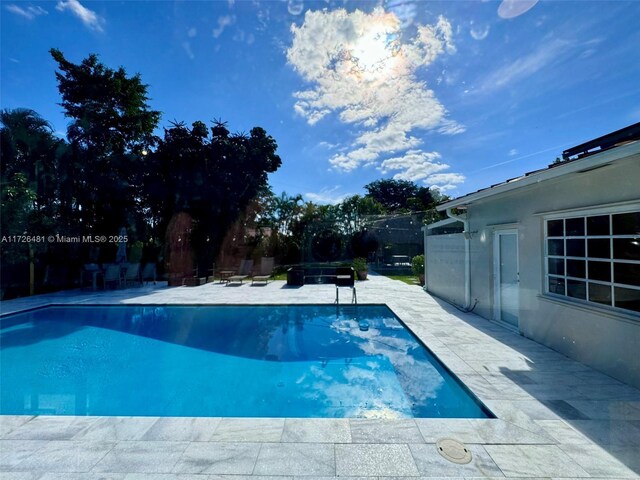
pixel 572 402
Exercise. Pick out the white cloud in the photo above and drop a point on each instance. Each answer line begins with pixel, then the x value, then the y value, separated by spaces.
pixel 359 69
pixel 451 127
pixel 414 165
pixel 327 145
pixel 445 181
pixel 186 46
pixel 327 196
pixel 192 32
pixel 525 66
pixel 223 22
pixel 29 12
pixel 90 18
pixel 513 152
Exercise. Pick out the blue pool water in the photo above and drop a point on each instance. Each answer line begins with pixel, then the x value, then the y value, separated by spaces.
pixel 246 361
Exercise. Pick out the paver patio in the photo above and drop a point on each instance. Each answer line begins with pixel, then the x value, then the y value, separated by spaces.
pixel 557 418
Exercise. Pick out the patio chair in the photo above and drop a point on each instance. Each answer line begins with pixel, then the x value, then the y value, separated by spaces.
pixel 132 274
pixel 266 269
pixel 149 273
pixel 112 275
pixel 243 272
pixel 89 275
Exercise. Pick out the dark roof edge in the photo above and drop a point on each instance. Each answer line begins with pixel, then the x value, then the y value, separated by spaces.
pixel 605 142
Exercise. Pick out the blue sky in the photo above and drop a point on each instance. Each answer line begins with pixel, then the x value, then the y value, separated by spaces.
pixel 457 95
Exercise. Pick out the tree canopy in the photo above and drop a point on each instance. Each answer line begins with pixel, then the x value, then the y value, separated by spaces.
pixel 113 172
pixel 199 188
pixel 108 108
pixel 401 195
pixel 111 125
pixel 212 176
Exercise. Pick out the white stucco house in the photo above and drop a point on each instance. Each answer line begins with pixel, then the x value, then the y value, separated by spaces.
pixel 554 254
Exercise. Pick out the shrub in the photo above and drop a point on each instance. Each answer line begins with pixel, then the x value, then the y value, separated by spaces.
pixel 417 265
pixel 359 264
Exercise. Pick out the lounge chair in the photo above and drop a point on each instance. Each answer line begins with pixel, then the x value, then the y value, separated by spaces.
pixel 132 274
pixel 149 273
pixel 243 272
pixel 266 269
pixel 112 275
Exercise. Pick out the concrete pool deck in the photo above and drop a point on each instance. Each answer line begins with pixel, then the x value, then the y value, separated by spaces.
pixel 557 418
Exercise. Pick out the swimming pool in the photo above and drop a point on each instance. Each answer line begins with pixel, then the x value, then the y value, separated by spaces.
pixel 239 361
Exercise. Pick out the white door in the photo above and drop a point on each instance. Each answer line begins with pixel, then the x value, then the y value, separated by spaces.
pixel 506 276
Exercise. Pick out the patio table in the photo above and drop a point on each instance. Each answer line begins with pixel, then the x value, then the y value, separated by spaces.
pixel 225 275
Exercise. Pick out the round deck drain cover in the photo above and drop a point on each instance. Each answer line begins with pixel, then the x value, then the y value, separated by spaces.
pixel 453 450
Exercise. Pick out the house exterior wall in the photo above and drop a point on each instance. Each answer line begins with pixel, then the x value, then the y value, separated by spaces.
pixel 444 266
pixel 597 336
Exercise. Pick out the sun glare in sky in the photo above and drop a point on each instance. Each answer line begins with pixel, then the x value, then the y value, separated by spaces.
pixel 375 53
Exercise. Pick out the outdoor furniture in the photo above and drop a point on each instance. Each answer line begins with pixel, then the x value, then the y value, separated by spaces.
pixel 194 279
pixel 295 277
pixel 132 274
pixel 91 271
pixel 149 273
pixel 266 269
pixel 243 272
pixel 112 275
pixel 400 260
pixel 299 275
pixel 225 274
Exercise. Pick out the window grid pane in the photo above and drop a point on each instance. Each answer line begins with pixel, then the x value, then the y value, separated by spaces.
pixel 595 259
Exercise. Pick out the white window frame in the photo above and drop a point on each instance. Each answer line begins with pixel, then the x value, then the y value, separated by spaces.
pixel 590 212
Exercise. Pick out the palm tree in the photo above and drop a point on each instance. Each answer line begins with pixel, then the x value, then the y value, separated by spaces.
pixel 28 163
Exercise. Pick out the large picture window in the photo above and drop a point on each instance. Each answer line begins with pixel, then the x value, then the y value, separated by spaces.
pixel 595 258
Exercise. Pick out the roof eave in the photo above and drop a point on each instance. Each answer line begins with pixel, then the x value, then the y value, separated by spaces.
pixel 587 163
pixel 441 223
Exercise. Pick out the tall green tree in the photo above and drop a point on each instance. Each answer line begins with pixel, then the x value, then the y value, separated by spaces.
pixel 30 200
pixel 402 195
pixel 30 147
pixel 111 126
pixel 283 211
pixel 355 211
pixel 211 175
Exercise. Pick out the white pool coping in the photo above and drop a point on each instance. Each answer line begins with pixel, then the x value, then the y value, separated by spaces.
pixel 557 418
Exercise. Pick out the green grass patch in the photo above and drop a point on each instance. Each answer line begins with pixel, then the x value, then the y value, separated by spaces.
pixel 408 279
